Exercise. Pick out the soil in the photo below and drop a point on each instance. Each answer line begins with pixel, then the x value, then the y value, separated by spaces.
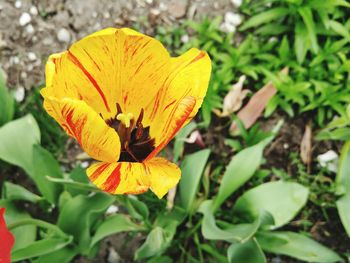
pixel 55 24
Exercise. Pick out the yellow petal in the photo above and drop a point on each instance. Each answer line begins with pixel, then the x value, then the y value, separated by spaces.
pixel 163 174
pixel 189 77
pixel 166 129
pixel 119 178
pixel 110 66
pixel 135 178
pixel 81 122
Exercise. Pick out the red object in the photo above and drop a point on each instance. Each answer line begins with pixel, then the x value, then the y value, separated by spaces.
pixel 6 240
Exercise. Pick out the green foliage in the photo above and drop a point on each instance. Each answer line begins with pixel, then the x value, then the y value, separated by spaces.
pixel 7 105
pixel 309 38
pixel 343 187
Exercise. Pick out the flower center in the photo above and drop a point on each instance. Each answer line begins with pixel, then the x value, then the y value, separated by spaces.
pixel 136 143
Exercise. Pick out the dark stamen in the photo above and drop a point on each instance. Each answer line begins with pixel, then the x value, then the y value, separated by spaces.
pixel 119 109
pixel 135 140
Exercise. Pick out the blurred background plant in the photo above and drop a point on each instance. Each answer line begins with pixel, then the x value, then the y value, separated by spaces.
pixel 254 188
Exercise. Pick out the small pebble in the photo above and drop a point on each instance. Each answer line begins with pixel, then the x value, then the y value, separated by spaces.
pixel 14 60
pixel 30 67
pixel 31 56
pixel 24 19
pixel 19 94
pixel 112 210
pixel 106 15
pixel 84 165
pixel 185 38
pixel 24 75
pixel 63 35
pixel 33 10
pixel 286 146
pixel 113 256
pixel 329 160
pixel 233 18
pixel 29 29
pixel 236 3
pixel 149 2
pixel 18 4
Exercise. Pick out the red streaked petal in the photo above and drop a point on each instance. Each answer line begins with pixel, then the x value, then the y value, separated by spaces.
pixel 119 178
pixel 98 140
pixel 6 240
pixel 167 129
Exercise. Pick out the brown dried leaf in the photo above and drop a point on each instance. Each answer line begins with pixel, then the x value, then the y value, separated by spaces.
pixel 256 105
pixel 170 198
pixel 306 145
pixel 233 99
pixel 195 137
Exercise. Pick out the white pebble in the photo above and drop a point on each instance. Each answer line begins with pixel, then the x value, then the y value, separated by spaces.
pixel 149 2
pixel 330 160
pixel 233 18
pixel 185 38
pixel 14 60
pixel 33 10
pixel 24 19
pixel 237 3
pixel 112 210
pixel 31 56
pixel 19 94
pixel 84 165
pixel 18 4
pixel 29 29
pixel 24 75
pixel 63 35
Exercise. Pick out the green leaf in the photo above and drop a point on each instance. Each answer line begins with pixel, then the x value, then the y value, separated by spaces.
pixel 16 142
pixel 180 140
pixel 80 213
pixel 306 14
pixel 39 248
pixel 161 236
pixel 73 186
pixel 301 43
pixel 265 17
pixel 284 49
pixel 241 168
pixel 78 179
pixel 160 259
pixel 343 187
pixel 154 244
pixel 296 246
pixel 344 211
pixel 192 169
pixel 7 101
pixel 339 28
pixel 112 225
pixel 64 255
pixel 248 252
pixel 283 200
pixel 16 192
pixel 44 164
pixel 136 208
pixel 232 233
pixel 24 235
pixel 342 180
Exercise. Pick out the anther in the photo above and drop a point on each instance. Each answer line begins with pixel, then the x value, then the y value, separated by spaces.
pixel 125 119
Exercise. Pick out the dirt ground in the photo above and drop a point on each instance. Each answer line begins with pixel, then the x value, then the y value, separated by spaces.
pixel 31 30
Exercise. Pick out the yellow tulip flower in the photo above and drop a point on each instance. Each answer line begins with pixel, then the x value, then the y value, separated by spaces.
pixel 123 98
